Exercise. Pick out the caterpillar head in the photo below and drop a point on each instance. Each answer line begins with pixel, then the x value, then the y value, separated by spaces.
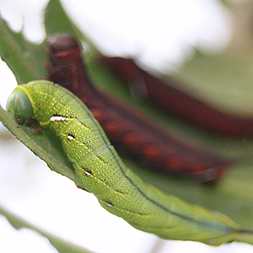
pixel 64 55
pixel 63 47
pixel 19 104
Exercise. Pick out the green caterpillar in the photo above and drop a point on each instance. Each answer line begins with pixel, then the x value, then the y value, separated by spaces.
pixel 99 169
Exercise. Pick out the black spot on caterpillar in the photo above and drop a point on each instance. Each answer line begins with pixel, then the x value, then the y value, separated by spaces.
pixel 126 127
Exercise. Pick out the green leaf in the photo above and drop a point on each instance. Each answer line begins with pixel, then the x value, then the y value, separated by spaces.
pixel 40 144
pixel 51 152
pixel 60 244
pixel 24 58
pixel 231 196
pixel 178 219
pixel 27 59
pixel 63 24
pixel 224 80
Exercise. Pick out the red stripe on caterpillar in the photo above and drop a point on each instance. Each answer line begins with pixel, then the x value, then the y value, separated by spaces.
pixel 167 95
pixel 125 127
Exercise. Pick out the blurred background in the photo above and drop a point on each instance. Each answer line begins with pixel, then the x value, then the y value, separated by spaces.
pixel 161 36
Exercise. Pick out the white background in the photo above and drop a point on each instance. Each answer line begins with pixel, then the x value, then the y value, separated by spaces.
pixel 161 35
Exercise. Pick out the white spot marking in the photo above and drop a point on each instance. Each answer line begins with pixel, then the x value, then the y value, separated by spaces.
pixel 87 173
pixel 70 137
pixel 57 118
pixel 109 204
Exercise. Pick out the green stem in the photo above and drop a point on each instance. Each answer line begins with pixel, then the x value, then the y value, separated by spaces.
pixel 60 244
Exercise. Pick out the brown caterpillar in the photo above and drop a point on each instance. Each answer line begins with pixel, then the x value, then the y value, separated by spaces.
pixel 171 99
pixel 126 127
